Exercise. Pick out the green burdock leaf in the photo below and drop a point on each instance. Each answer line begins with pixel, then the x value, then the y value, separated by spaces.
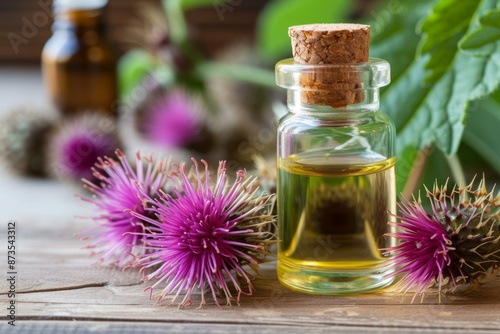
pixel 492 17
pixel 482 41
pixel 441 31
pixel 395 39
pixel 482 131
pixel 430 99
pixel 393 33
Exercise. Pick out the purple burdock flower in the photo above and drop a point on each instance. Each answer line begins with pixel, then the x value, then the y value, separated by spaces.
pixel 174 119
pixel 422 256
pixel 204 236
pixel 454 246
pixel 115 195
pixel 78 143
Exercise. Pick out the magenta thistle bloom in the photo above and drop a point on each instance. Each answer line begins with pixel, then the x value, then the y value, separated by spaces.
pixel 174 119
pixel 454 247
pixel 75 147
pixel 204 236
pixel 422 256
pixel 118 234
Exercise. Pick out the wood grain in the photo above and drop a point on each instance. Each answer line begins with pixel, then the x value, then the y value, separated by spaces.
pixel 59 291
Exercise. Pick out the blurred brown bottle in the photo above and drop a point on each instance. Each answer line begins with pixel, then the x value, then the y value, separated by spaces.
pixel 78 62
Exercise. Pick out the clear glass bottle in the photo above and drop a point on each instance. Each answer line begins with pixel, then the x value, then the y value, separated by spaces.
pixel 336 179
pixel 78 61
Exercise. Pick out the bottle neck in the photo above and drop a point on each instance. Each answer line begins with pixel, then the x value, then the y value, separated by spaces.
pixel 322 89
pixel 80 20
pixel 366 100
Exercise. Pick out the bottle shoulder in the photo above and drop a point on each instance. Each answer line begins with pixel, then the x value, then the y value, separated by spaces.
pixel 61 42
pixel 67 46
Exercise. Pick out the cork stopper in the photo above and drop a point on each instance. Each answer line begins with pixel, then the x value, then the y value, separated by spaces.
pixel 337 44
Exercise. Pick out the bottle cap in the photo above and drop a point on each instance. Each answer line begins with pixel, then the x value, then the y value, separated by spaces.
pixel 340 45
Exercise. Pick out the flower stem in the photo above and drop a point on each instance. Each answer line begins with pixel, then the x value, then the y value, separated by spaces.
pixel 456 168
pixel 177 23
pixel 416 173
pixel 250 74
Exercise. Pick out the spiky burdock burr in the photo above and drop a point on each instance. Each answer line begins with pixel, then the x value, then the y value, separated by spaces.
pixel 114 195
pixel 455 246
pixel 23 136
pixel 205 235
pixel 175 119
pixel 75 146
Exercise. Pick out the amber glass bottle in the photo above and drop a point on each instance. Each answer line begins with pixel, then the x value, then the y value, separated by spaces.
pixel 78 62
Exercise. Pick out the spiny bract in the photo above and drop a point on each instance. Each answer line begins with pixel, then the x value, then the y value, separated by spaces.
pixel 455 246
pixel 473 228
pixel 24 135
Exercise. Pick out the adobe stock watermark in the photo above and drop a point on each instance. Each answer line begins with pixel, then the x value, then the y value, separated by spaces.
pixel 12 268
pixel 224 6
pixel 30 26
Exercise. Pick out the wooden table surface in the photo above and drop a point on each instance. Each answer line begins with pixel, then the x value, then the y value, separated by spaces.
pixel 58 290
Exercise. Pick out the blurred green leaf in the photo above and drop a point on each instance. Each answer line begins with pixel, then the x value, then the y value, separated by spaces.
pixel 394 37
pixel 441 30
pixel 482 41
pixel 496 95
pixel 278 15
pixel 481 132
pixel 135 65
pixel 188 4
pixel 132 68
pixel 447 19
pixel 492 17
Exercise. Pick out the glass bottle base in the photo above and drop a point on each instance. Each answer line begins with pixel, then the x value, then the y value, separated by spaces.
pixel 332 282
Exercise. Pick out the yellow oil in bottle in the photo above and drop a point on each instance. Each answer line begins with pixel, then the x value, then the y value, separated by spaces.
pixel 333 214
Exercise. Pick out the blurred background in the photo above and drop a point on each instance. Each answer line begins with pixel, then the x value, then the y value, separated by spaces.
pixel 216 28
pixel 194 78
